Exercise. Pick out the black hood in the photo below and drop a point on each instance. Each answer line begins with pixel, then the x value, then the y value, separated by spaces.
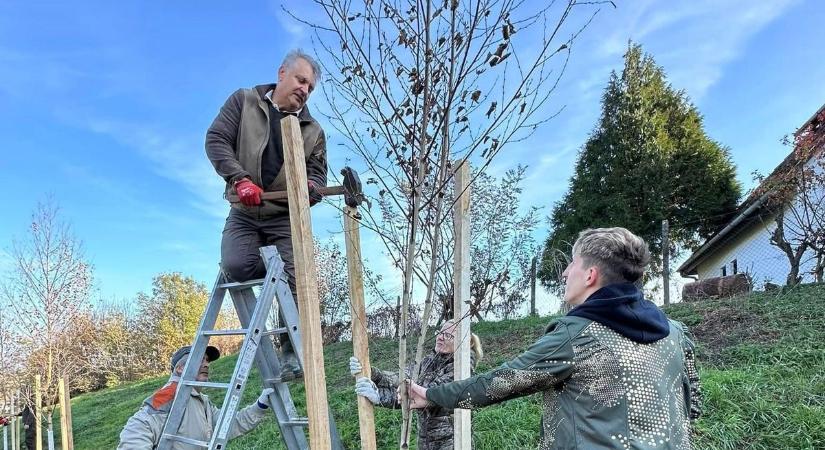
pixel 622 308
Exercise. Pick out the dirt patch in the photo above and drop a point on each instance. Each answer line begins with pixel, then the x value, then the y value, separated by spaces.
pixel 725 327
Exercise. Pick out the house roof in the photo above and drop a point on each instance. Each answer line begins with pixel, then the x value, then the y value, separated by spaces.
pixel 754 205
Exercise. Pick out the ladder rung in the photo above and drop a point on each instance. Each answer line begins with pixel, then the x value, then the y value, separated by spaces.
pixel 186 440
pixel 297 422
pixel 281 330
pixel 207 384
pixel 243 285
pixel 233 332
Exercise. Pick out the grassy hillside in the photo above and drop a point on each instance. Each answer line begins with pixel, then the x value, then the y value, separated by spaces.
pixel 762 360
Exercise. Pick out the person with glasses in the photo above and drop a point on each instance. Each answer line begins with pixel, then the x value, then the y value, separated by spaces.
pixel 435 424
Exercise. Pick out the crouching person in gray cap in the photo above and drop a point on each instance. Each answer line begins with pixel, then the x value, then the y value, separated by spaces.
pixel 143 429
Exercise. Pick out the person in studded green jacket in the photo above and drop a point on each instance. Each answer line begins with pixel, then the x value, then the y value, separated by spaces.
pixel 615 372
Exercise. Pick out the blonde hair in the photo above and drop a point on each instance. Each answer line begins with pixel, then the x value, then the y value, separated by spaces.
pixel 475 347
pixel 475 342
pixel 620 255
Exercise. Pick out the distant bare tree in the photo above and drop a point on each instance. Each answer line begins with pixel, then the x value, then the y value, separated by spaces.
pixel 48 288
pixel 10 355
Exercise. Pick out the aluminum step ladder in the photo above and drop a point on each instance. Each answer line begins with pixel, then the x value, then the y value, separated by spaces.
pixel 257 348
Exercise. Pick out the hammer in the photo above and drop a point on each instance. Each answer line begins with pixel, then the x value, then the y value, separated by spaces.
pixel 350 189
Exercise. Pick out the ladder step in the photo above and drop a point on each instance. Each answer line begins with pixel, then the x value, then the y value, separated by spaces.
pixel 297 422
pixel 271 381
pixel 186 440
pixel 206 384
pixel 233 332
pixel 246 284
pixel 282 330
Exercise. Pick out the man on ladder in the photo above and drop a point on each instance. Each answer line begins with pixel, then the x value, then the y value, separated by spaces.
pixel 143 430
pixel 245 147
pixel 244 144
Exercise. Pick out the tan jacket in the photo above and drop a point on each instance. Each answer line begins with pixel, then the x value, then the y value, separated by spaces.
pixel 143 430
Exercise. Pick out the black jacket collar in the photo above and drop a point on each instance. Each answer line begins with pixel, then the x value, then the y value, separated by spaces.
pixel 622 308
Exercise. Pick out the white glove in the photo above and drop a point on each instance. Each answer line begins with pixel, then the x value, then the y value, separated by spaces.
pixel 264 398
pixel 354 366
pixel 366 388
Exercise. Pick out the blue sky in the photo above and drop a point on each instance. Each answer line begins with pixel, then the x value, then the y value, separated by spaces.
pixel 104 105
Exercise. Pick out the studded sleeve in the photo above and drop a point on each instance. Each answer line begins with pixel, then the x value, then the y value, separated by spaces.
pixel 692 374
pixel 547 362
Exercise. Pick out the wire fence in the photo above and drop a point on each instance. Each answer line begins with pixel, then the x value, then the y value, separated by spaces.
pixel 756 254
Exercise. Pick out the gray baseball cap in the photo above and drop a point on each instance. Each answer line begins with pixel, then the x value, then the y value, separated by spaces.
pixel 212 353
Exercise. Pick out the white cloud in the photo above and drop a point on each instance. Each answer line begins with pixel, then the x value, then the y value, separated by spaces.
pixel 297 32
pixel 694 41
pixel 177 158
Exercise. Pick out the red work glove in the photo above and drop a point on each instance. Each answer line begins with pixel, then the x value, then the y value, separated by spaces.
pixel 314 195
pixel 248 192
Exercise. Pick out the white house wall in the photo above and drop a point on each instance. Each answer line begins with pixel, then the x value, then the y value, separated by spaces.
pixel 754 254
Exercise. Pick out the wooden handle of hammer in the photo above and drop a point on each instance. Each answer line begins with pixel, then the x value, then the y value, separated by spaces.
pixel 281 195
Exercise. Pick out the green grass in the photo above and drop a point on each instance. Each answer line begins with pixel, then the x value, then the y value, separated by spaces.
pixel 763 375
pixel 762 361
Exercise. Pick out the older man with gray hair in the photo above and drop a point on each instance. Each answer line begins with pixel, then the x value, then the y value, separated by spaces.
pixel 244 145
pixel 144 428
pixel 615 372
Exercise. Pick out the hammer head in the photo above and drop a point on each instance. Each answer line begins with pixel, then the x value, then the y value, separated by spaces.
pixel 353 194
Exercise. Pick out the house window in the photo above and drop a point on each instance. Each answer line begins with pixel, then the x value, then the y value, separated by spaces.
pixel 735 267
pixel 724 270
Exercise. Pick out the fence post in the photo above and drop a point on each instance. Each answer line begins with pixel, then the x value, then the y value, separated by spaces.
pixel 666 261
pixel 533 287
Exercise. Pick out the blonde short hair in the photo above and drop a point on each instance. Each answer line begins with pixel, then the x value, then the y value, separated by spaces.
pixel 620 255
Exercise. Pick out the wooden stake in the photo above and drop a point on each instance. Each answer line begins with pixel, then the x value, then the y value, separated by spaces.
pixel 15 423
pixel 12 422
pixel 305 282
pixel 463 439
pixel 360 340
pixel 16 428
pixel 66 438
pixel 38 429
